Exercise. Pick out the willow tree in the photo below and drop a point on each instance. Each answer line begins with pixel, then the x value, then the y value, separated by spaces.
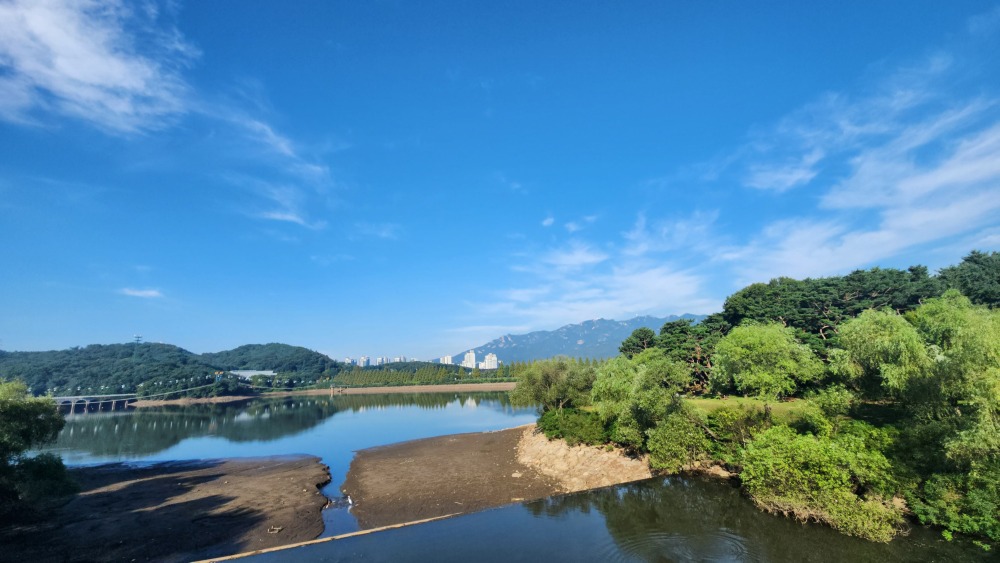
pixel 764 360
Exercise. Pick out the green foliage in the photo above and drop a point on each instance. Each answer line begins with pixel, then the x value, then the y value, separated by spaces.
pixel 676 441
pixel 883 350
pixel 977 277
pixel 574 426
pixel 693 345
pixel 633 395
pixel 734 427
pixel 968 503
pixel 554 384
pixel 763 359
pixel 27 422
pixel 640 339
pixel 837 481
pixel 813 308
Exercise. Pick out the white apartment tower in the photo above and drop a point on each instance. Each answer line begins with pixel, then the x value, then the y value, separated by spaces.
pixel 470 359
pixel 490 362
pixel 447 360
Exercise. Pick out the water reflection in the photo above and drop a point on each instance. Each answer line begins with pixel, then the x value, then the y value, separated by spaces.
pixel 123 435
pixel 657 520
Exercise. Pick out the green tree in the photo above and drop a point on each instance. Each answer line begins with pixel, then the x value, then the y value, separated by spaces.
pixel 764 360
pixel 554 384
pixel 977 277
pixel 633 395
pixel 25 423
pixel 884 352
pixel 640 339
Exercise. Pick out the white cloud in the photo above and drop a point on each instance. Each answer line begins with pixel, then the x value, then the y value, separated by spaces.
pixel 143 293
pixel 918 166
pixel 780 178
pixel 574 256
pixel 110 63
pixel 689 233
pixel 548 221
pixel 388 231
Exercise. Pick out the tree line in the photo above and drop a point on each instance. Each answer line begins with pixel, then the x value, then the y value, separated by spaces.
pixel 857 392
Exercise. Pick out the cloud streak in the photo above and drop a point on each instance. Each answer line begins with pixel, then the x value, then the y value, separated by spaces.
pixel 141 293
pixel 75 58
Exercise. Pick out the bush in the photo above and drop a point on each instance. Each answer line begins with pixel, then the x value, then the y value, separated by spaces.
pixel 968 503
pixel 837 481
pixel 574 426
pixel 675 442
pixel 734 427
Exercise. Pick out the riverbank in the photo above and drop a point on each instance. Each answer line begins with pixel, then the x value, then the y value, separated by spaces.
pixel 448 388
pixel 178 511
pixel 471 472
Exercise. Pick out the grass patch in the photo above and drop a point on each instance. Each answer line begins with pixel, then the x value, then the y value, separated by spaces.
pixel 781 411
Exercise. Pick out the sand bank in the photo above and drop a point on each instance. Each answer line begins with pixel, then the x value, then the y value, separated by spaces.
pixel 470 472
pixel 178 511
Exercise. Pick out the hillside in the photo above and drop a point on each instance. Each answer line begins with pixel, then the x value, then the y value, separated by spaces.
pixel 589 339
pixel 149 367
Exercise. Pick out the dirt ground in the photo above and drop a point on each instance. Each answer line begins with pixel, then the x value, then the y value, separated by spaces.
pixel 451 388
pixel 178 511
pixel 440 476
pixel 469 472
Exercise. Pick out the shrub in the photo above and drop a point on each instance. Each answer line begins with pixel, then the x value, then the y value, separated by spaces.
pixel 675 442
pixel 574 426
pixel 837 481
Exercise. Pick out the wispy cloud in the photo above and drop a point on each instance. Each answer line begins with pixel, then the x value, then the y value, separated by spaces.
pixel 576 281
pixel 914 163
pixel 142 293
pixel 84 59
pixel 548 221
pixel 387 231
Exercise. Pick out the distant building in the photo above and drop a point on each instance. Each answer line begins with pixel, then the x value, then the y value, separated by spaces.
pixel 446 360
pixel 350 361
pixel 470 359
pixel 248 373
pixel 490 362
pixel 364 361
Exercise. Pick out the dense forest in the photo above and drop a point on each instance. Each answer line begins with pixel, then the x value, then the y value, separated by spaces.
pixel 855 401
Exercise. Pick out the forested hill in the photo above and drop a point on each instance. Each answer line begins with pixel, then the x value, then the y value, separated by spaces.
pixel 277 357
pixel 129 368
pixel 590 339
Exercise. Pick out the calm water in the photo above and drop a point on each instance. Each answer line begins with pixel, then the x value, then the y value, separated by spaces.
pixel 659 520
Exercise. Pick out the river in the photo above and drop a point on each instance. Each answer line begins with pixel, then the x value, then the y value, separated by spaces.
pixel 671 519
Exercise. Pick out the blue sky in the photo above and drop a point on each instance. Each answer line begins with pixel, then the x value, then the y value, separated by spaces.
pixel 416 178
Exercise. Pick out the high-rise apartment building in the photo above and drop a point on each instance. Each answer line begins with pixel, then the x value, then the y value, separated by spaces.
pixel 490 361
pixel 446 360
pixel 470 359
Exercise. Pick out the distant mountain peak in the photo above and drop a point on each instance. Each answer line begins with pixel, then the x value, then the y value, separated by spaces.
pixel 595 338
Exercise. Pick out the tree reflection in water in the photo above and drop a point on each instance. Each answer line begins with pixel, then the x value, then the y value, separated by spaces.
pixel 697 519
pixel 146 431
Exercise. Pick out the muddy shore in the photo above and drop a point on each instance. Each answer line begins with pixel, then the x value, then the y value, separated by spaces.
pixel 450 388
pixel 470 472
pixel 178 511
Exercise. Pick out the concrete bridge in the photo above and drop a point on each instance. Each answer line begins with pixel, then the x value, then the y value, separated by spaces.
pixel 93 403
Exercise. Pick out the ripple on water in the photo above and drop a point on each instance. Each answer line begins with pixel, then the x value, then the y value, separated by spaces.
pixel 654 545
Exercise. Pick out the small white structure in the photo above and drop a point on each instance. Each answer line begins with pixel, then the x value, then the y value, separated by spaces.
pixel 248 373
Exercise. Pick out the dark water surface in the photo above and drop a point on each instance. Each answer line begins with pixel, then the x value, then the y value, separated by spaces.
pixel 673 519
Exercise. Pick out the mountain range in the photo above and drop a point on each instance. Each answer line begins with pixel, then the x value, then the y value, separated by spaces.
pixel 590 339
